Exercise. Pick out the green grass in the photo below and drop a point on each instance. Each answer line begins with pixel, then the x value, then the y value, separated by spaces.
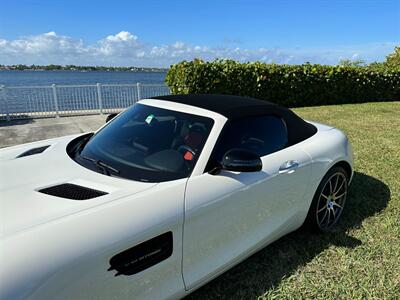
pixel 361 259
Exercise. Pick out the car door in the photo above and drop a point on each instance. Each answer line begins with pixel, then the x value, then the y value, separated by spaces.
pixel 130 248
pixel 230 215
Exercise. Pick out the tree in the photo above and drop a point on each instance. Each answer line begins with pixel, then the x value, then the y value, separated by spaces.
pixel 393 59
pixel 351 63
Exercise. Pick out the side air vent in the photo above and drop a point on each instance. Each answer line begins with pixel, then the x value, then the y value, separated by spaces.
pixel 72 191
pixel 33 151
pixel 142 256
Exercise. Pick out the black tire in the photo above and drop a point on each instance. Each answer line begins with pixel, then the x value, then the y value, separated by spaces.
pixel 329 201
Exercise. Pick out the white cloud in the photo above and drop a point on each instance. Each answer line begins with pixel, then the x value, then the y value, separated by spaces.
pixel 122 36
pixel 48 47
pixel 126 49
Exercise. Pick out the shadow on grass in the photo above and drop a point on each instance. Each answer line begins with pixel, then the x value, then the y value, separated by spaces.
pixel 265 269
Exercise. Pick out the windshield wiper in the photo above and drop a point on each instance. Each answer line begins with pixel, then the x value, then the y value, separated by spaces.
pixel 83 142
pixel 106 168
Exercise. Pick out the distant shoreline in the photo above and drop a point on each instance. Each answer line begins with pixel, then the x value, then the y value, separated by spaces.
pixel 83 71
pixel 80 68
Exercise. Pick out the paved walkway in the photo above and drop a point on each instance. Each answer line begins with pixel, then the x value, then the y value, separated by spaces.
pixel 30 130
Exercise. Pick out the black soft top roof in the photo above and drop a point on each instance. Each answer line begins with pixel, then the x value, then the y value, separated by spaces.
pixel 238 107
pixel 231 107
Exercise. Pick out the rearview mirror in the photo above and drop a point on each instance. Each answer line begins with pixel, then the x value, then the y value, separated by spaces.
pixel 110 117
pixel 241 160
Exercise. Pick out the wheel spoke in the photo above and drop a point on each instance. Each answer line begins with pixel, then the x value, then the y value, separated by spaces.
pixel 329 217
pixel 330 187
pixel 337 205
pixel 323 218
pixel 326 197
pixel 334 214
pixel 340 187
pixel 337 180
pixel 340 196
pixel 325 206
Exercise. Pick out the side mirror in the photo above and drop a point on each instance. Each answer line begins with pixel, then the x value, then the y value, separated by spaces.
pixel 241 160
pixel 110 117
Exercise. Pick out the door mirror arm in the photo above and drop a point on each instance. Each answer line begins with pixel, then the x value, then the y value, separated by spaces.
pixel 238 160
pixel 216 169
pixel 110 117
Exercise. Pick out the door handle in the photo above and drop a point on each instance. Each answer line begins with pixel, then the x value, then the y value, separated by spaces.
pixel 289 166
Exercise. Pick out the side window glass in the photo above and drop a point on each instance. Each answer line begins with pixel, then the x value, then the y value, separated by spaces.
pixel 262 135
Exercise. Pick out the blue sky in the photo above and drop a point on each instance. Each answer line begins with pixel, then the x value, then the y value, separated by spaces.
pixel 158 33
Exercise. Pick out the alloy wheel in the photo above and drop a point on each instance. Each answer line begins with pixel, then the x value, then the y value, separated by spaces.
pixel 331 201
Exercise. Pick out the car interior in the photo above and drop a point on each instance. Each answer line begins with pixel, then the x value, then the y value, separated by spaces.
pixel 175 149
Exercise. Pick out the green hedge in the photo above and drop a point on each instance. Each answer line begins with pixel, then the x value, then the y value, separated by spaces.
pixel 288 85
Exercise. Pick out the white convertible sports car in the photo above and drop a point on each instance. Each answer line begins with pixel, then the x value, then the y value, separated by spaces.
pixel 164 197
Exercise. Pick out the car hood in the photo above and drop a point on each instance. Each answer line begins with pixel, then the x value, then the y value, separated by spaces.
pixel 23 205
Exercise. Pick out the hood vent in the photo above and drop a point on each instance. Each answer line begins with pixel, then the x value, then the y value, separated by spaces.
pixel 33 151
pixel 72 191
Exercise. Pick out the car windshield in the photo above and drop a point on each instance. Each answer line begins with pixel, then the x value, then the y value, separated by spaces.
pixel 146 143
